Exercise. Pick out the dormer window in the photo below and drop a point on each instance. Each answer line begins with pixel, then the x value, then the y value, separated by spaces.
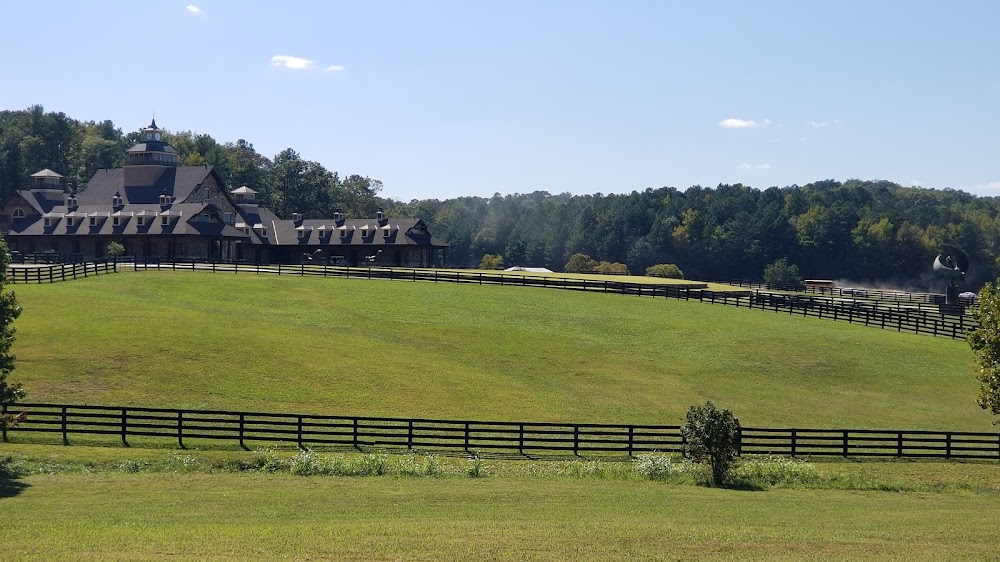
pixel 246 231
pixel 338 217
pixel 302 234
pixel 18 213
pixel 140 220
pixel 116 221
pixel 387 233
pixel 227 218
pixel 116 200
pixel 364 231
pixel 48 221
pixel 380 215
pixel 343 233
pixel 165 220
pixel 70 221
pixel 163 199
pixel 296 217
pixel 93 221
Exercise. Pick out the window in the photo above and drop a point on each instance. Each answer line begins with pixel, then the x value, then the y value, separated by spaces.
pixel 387 233
pixel 246 231
pixel 18 213
pixel 164 220
pixel 48 221
pixel 141 221
pixel 93 221
pixel 263 233
pixel 227 218
pixel 117 221
pixel 302 234
pixel 364 232
pixel 343 233
pixel 70 221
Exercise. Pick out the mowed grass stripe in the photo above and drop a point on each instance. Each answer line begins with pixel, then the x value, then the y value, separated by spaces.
pixel 259 516
pixel 393 348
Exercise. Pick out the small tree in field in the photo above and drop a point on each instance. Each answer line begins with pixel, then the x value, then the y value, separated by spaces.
pixel 783 275
pixel 712 436
pixel 10 392
pixel 491 261
pixel 668 270
pixel 985 343
pixel 580 263
pixel 115 249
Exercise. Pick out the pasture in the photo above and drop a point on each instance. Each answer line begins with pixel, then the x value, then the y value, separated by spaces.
pixel 391 348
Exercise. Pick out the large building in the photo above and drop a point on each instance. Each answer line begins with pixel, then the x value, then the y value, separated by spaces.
pixel 157 209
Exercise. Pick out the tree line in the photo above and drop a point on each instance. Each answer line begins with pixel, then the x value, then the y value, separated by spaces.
pixel 865 231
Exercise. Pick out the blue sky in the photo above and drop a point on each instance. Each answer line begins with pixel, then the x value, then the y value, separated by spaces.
pixel 442 99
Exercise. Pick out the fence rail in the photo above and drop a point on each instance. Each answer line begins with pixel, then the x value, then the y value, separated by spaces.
pixel 59 272
pixel 524 438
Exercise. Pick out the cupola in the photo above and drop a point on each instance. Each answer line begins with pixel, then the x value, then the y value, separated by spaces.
pixel 152 149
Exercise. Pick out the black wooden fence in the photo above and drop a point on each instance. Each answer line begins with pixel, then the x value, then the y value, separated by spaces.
pixel 478 437
pixel 59 272
pixel 857 311
pixel 913 319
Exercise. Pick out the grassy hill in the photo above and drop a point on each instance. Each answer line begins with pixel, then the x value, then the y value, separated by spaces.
pixel 357 347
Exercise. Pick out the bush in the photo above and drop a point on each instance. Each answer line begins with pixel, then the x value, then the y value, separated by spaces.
pixel 115 249
pixel 616 268
pixel 667 270
pixel 580 263
pixel 712 436
pixel 491 261
pixel 782 275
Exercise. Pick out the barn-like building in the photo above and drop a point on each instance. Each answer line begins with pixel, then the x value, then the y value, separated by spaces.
pixel 157 209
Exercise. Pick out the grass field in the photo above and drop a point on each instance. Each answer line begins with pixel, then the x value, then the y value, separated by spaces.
pixel 358 347
pixel 267 516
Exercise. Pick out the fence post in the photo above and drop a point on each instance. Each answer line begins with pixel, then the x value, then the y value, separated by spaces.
pixel 845 443
pixel 899 444
pixel 947 445
pixel 466 437
pixel 180 429
pixel 576 440
pixel 409 435
pixel 64 432
pixel 355 433
pixel 631 432
pixel 299 435
pixel 124 427
pixel 242 446
pixel 520 439
pixel 793 443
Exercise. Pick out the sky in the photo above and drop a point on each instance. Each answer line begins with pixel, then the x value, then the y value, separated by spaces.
pixel 441 99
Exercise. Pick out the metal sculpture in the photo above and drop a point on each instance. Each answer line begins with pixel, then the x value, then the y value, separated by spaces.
pixel 315 256
pixel 951 264
pixel 373 258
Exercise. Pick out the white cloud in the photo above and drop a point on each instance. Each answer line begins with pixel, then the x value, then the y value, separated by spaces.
pixel 287 61
pixel 734 123
pixel 993 185
pixel 194 9
pixel 823 124
pixel 745 166
pixel 333 68
pixel 767 122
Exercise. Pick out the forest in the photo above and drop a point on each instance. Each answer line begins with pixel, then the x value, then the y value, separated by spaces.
pixel 866 232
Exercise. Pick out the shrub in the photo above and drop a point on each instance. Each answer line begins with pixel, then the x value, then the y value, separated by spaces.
pixel 613 268
pixel 580 263
pixel 770 471
pixel 475 467
pixel 115 249
pixel 782 275
pixel 667 270
pixel 712 436
pixel 305 463
pixel 491 261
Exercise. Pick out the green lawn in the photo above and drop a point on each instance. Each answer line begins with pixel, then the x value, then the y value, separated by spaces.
pixel 359 347
pixel 143 516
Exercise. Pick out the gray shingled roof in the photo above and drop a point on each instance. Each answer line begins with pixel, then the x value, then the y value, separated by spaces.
pixel 179 181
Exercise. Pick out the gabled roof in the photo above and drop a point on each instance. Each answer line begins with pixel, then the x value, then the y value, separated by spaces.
pixel 147 183
pixel 243 190
pixel 46 173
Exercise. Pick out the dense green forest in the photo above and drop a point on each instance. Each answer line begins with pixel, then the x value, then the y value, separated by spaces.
pixel 873 232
